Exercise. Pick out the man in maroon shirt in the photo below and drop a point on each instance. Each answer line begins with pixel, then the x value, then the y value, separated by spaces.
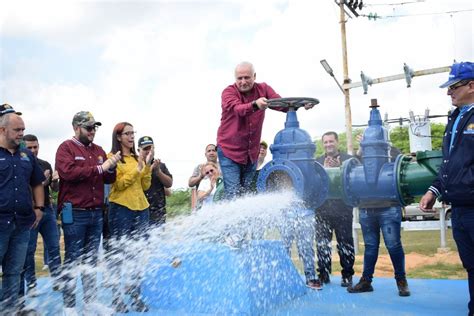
pixel 238 136
pixel 83 169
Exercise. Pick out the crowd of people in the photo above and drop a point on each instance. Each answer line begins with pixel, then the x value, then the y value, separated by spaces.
pixel 116 196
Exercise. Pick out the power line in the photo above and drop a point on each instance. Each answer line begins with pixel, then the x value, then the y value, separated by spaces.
pixel 393 4
pixel 376 16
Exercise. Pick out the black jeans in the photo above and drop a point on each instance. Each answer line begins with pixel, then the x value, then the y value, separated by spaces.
pixel 339 222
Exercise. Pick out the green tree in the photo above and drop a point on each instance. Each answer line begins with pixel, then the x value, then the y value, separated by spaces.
pixel 437 132
pixel 400 139
pixel 179 203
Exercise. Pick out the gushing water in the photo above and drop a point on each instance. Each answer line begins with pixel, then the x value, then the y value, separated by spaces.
pixel 197 248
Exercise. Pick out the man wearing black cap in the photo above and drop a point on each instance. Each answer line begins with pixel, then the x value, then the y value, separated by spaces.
pixel 455 181
pixel 161 178
pixel 21 183
pixel 83 169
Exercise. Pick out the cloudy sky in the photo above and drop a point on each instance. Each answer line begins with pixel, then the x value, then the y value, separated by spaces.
pixel 162 65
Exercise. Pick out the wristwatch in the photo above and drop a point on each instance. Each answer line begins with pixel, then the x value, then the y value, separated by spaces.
pixel 255 106
pixel 41 208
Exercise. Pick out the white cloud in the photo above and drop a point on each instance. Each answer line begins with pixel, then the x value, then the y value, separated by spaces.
pixel 162 65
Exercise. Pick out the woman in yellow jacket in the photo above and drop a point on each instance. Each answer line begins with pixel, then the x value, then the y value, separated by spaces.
pixel 128 213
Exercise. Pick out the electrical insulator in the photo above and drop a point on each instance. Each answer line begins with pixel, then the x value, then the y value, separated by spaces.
pixel 408 74
pixel 366 81
pixel 356 4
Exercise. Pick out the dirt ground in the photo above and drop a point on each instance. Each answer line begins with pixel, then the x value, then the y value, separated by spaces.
pixel 412 261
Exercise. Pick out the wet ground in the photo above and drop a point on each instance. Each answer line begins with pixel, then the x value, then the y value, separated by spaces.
pixel 428 297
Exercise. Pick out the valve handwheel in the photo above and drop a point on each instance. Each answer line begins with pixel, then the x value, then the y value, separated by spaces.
pixel 293 103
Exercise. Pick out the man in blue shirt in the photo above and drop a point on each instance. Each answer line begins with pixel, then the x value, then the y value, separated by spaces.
pixel 455 181
pixel 20 183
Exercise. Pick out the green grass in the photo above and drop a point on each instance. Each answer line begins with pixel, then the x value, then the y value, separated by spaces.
pixel 425 242
pixel 439 270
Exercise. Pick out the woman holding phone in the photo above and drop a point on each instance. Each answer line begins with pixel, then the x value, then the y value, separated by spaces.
pixel 128 213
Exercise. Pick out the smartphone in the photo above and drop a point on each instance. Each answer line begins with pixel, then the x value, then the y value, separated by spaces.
pixel 66 213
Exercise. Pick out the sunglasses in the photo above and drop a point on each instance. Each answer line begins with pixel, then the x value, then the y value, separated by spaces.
pixel 458 85
pixel 210 171
pixel 90 128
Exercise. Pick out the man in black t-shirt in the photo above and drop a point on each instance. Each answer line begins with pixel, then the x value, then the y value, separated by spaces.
pixel 161 178
pixel 334 216
pixel 47 227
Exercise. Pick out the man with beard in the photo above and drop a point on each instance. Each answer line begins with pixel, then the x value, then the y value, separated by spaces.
pixel 20 183
pixel 83 170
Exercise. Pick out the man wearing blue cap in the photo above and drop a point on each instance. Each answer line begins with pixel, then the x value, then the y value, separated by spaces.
pixel 455 181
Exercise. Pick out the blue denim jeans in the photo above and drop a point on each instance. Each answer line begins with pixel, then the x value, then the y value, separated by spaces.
pixel 127 227
pixel 298 225
pixel 462 221
pixel 237 177
pixel 13 247
pixel 49 231
pixel 388 220
pixel 81 241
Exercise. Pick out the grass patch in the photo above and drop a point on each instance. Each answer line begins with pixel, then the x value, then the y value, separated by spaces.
pixel 439 270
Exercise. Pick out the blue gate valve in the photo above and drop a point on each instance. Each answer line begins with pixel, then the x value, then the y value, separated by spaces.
pixel 293 159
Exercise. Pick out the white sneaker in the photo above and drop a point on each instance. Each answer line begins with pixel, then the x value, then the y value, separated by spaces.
pixel 45 267
pixel 70 311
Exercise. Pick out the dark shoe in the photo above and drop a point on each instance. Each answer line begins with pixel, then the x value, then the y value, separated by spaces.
pixel 324 278
pixel 138 305
pixel 364 285
pixel 346 281
pixel 403 289
pixel 314 284
pixel 57 286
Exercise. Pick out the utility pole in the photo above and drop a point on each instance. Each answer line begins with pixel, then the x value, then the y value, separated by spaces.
pixel 347 100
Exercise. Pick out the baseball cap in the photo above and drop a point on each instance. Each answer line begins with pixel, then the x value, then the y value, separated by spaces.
pixel 264 144
pixel 7 108
pixel 459 71
pixel 84 118
pixel 145 141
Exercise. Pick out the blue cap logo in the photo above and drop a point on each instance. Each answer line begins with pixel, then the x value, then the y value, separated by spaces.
pixel 459 71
